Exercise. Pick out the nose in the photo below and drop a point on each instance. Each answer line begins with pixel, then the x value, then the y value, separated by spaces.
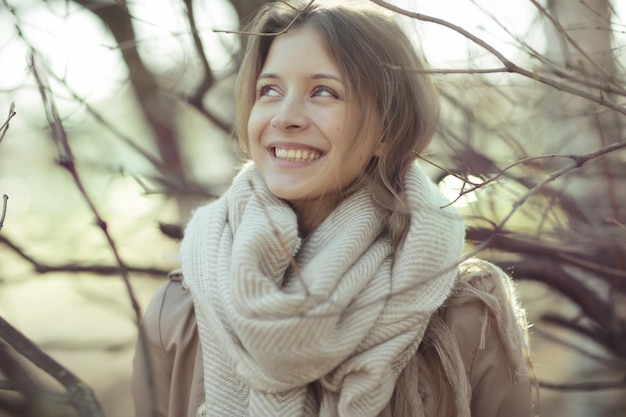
pixel 291 115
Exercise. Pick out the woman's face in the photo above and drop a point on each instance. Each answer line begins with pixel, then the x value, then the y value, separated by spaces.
pixel 299 135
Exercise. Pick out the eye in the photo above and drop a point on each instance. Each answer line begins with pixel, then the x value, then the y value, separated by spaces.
pixel 323 91
pixel 268 90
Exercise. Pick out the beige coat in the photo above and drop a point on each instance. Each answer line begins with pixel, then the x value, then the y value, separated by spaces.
pixel 476 320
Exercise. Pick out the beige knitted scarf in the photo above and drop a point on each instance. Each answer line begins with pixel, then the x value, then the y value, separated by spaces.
pixel 315 327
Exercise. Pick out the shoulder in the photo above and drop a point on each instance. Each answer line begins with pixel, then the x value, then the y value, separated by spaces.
pixel 472 360
pixel 483 280
pixel 484 314
pixel 479 340
pixel 169 319
pixel 174 355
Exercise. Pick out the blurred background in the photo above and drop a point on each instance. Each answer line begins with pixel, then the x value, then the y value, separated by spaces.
pixel 116 121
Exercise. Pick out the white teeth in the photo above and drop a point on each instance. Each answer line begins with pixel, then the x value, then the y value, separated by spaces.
pixel 295 154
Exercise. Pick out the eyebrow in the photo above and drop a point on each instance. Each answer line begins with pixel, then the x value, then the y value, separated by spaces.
pixel 311 77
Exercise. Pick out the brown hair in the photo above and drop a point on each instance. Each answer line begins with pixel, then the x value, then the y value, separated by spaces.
pixel 382 72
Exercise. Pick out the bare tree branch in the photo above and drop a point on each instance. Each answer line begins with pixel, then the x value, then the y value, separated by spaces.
pixel 196 99
pixel 106 270
pixel 156 106
pixel 591 331
pixel 207 80
pixel 569 238
pixel 66 160
pixel 280 32
pixel 515 243
pixel 572 42
pixel 585 386
pixel 553 274
pixel 5 199
pixel 606 361
pixel 577 162
pixel 509 65
pixel 78 394
pixel 5 125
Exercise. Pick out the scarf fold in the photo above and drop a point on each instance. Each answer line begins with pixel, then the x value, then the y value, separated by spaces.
pixel 316 327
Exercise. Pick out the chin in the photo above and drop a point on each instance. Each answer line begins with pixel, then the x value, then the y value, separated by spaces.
pixel 287 193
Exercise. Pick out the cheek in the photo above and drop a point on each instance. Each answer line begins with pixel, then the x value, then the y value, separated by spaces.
pixel 254 126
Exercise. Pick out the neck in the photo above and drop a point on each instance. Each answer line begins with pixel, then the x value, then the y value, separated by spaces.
pixel 311 213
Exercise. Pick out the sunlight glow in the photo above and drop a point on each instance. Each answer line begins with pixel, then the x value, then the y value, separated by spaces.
pixel 445 48
pixel 452 187
pixel 79 49
pixel 72 42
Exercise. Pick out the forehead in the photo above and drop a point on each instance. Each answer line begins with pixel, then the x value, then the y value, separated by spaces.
pixel 300 48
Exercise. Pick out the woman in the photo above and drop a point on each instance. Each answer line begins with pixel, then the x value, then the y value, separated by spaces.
pixel 326 280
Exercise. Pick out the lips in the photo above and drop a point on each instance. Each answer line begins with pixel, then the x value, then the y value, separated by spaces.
pixel 297 155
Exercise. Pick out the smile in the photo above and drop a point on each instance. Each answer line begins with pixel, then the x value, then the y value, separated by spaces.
pixel 296 154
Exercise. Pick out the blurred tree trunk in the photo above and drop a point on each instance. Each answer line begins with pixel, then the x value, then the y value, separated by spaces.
pixel 579 47
pixel 587 24
pixel 157 108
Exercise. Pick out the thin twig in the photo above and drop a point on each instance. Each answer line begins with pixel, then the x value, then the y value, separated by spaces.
pixel 43 268
pixel 605 87
pixel 207 80
pixel 577 162
pixel 572 42
pixel 110 126
pixel 281 32
pixel 509 65
pixel 5 125
pixel 444 71
pixel 3 131
pixel 224 126
pixel 613 88
pixel 66 160
pixel 5 199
